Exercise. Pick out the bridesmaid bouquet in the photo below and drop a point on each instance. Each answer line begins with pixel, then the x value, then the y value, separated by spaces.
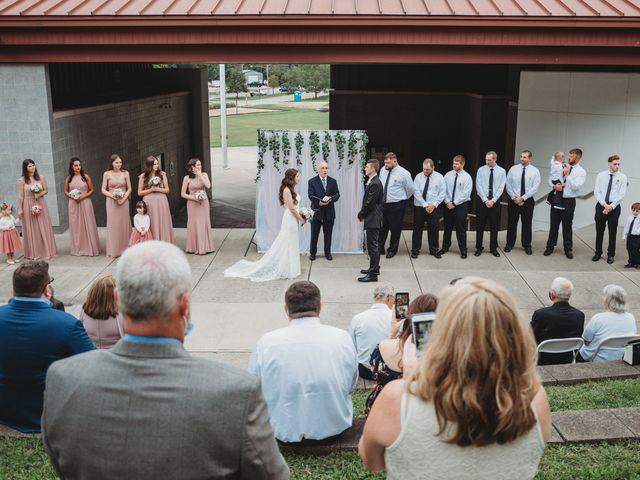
pixel 155 181
pixel 36 188
pixel 36 210
pixel 201 195
pixel 75 194
pixel 306 213
pixel 117 193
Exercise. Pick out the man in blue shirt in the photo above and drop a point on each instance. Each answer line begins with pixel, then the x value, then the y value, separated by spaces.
pixel 33 335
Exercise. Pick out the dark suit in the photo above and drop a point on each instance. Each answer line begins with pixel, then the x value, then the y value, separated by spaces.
pixel 371 213
pixel 33 335
pixel 560 320
pixel 324 215
pixel 152 411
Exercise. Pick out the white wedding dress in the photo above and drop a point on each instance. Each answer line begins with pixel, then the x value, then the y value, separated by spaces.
pixel 282 260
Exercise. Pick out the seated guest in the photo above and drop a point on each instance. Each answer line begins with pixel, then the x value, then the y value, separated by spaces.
pixel 307 370
pixel 472 407
pixel 560 320
pixel 614 322
pixel 33 335
pixel 369 327
pixel 99 314
pixel 387 356
pixel 147 409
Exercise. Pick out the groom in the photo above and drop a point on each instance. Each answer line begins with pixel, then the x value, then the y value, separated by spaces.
pixel 371 215
pixel 323 192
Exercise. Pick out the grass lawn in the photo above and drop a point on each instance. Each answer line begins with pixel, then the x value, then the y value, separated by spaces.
pixel 241 129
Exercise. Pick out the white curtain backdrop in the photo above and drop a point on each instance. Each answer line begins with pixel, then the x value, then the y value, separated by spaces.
pixel 348 232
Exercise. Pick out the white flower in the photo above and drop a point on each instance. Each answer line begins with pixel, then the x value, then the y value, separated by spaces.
pixel 36 188
pixel 155 181
pixel 75 194
pixel 201 195
pixel 306 213
pixel 117 193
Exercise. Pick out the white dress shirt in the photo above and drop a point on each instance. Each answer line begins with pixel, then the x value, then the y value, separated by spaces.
pixel 482 182
pixel 601 326
pixel 369 328
pixel 531 181
pixel 636 227
pixel 436 192
pixel 464 185
pixel 618 188
pixel 573 182
pixel 400 184
pixel 307 371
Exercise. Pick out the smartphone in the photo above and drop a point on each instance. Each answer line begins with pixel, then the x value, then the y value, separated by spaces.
pixel 402 305
pixel 421 324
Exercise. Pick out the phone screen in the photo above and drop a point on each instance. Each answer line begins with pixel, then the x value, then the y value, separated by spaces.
pixel 421 324
pixel 402 305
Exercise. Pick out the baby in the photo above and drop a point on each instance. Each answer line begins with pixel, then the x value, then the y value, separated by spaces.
pixel 555 198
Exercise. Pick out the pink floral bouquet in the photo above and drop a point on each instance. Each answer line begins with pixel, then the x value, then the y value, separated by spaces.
pixel 36 210
pixel 306 213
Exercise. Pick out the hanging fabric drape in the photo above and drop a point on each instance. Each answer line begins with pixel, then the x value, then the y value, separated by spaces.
pixel 344 150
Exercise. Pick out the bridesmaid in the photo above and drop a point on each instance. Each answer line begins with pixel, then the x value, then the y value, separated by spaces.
pixel 194 188
pixel 37 231
pixel 154 187
pixel 116 186
pixel 83 231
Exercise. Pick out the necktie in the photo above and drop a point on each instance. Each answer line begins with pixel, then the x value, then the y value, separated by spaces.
pixel 522 187
pixel 631 226
pixel 453 193
pixel 324 184
pixel 426 188
pixel 386 184
pixel 606 197
pixel 490 195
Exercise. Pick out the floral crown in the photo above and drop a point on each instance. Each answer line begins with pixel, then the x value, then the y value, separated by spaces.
pixel 4 206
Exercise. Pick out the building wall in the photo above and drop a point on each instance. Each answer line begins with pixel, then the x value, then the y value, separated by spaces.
pixel 25 131
pixel 133 129
pixel 597 112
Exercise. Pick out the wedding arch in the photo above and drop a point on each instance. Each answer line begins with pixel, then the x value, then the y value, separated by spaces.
pixel 344 150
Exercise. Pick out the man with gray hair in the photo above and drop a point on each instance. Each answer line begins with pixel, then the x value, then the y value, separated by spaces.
pixel 560 320
pixel 370 327
pixel 146 409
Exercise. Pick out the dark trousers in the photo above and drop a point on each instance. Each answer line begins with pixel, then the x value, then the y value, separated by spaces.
pixel 566 218
pixel 633 249
pixel 433 223
pixel 327 228
pixel 392 218
pixel 373 249
pixel 523 213
pixel 491 215
pixel 611 222
pixel 456 217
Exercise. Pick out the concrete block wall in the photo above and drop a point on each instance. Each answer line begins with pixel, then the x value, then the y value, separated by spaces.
pixel 132 129
pixel 25 131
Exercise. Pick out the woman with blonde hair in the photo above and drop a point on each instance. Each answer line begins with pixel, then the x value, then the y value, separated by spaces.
pixel 99 314
pixel 472 407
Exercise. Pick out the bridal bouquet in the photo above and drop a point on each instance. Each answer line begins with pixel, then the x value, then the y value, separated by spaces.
pixel 306 213
pixel 200 195
pixel 75 194
pixel 36 210
pixel 117 193
pixel 155 181
pixel 36 188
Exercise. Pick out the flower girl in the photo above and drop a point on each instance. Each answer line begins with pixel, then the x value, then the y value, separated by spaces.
pixel 141 223
pixel 9 239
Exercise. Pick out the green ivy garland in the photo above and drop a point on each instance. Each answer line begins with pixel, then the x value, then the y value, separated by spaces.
pixel 326 146
pixel 274 146
pixel 363 149
pixel 352 147
pixel 314 145
pixel 299 140
pixel 286 147
pixel 339 141
pixel 262 148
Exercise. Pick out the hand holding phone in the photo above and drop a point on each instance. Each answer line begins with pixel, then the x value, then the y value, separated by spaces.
pixel 402 305
pixel 421 324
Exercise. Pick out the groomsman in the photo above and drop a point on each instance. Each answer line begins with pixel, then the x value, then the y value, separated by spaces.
pixel 574 176
pixel 428 193
pixel 323 193
pixel 523 182
pixel 398 187
pixel 371 214
pixel 490 182
pixel 611 185
pixel 458 193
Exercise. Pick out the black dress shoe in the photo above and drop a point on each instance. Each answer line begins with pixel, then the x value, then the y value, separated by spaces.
pixel 328 257
pixel 495 253
pixel 569 254
pixel 390 254
pixel 463 254
pixel 442 251
pixel 478 252
pixel 368 278
pixel 548 251
pixel 610 259
pixel 596 257
pixel 312 257
pixel 414 254
pixel 436 254
pixel 507 248
pixel 629 265
pixel 527 250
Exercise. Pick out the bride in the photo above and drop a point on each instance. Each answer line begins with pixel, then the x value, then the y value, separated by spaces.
pixel 282 260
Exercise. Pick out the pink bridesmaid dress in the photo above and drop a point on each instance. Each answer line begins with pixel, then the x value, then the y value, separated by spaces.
pixel 160 214
pixel 83 231
pixel 198 221
pixel 37 232
pixel 118 221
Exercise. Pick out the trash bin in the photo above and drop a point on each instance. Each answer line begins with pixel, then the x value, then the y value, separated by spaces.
pixel 297 96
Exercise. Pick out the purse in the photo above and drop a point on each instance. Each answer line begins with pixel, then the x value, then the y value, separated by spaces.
pixel 632 353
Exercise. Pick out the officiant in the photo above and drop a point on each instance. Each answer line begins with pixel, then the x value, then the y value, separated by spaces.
pixel 323 193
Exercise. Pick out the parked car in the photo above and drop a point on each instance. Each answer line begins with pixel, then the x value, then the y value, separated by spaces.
pixel 283 89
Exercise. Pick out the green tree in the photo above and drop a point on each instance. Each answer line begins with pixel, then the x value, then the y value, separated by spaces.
pixel 313 78
pixel 213 71
pixel 235 81
pixel 274 82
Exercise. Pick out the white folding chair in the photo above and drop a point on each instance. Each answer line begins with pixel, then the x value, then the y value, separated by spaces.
pixel 562 345
pixel 616 342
